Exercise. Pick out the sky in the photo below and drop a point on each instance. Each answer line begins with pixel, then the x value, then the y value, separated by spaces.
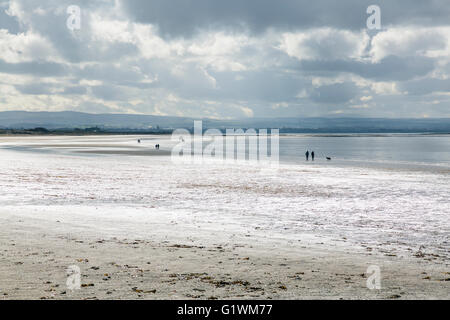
pixel 227 59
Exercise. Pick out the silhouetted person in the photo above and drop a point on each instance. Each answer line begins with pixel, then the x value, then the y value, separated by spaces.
pixel 139 140
pixel 307 155
pixel 312 155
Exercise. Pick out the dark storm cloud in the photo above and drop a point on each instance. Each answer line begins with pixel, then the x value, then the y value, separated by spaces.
pixel 185 17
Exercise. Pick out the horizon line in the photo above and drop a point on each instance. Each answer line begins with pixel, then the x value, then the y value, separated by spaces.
pixel 236 119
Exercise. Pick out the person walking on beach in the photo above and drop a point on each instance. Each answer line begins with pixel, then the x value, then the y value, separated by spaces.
pixel 312 155
pixel 307 155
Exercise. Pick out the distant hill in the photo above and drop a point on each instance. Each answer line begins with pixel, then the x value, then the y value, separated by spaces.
pixel 69 119
pixel 72 120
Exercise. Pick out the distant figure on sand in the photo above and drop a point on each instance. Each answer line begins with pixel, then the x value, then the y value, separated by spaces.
pixel 328 158
pixel 139 140
pixel 312 155
pixel 157 146
pixel 307 155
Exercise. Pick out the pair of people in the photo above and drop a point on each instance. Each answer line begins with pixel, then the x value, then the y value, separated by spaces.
pixel 307 155
pixel 157 146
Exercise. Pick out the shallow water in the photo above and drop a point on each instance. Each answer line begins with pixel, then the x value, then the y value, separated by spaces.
pixel 394 152
pixel 371 150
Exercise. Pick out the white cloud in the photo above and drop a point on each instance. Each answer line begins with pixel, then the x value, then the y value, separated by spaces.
pixel 247 111
pixel 325 43
pixel 23 47
pixel 411 41
pixel 385 88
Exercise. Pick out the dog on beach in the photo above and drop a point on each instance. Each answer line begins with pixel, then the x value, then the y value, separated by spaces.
pixel 328 158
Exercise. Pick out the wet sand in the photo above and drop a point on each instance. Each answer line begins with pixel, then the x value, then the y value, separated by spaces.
pixel 36 249
pixel 128 152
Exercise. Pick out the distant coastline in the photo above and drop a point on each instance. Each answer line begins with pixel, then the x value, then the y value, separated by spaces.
pixel 283 131
pixel 79 123
pixel 78 132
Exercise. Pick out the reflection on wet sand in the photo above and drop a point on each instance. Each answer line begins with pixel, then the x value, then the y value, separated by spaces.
pixel 148 152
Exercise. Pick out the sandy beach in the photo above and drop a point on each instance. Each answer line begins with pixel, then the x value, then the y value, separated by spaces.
pixel 142 227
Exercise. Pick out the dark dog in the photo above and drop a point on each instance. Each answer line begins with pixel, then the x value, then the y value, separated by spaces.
pixel 328 158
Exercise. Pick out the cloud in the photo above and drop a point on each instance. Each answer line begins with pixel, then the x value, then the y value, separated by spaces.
pixel 389 68
pixel 74 90
pixel 187 17
pixel 325 43
pixel 426 86
pixel 8 22
pixel 35 88
pixel 37 68
pixel 24 47
pixel 226 59
pixel 109 92
pixel 410 41
pixel 335 93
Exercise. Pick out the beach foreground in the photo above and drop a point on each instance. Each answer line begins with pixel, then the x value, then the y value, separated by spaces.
pixel 145 228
